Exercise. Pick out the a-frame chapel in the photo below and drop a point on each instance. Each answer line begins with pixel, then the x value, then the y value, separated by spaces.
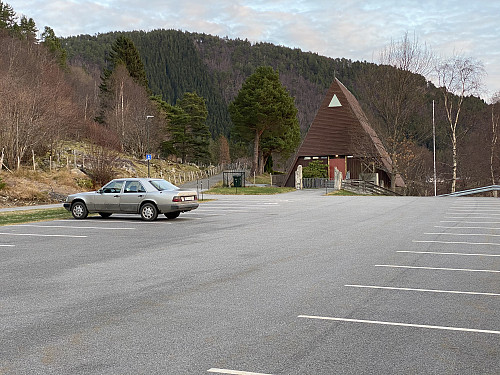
pixel 341 136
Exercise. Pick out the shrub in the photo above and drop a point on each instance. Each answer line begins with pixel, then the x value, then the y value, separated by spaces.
pixel 316 168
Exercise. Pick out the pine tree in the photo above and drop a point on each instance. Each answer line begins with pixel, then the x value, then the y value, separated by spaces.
pixel 27 28
pixel 7 17
pixel 53 43
pixel 263 107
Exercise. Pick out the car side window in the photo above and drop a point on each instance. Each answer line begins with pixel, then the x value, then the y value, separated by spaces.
pixel 134 187
pixel 113 187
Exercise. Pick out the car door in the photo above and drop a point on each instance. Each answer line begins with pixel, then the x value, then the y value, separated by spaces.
pixel 108 198
pixel 133 194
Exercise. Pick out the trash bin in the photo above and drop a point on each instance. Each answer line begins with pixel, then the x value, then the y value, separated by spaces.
pixel 237 180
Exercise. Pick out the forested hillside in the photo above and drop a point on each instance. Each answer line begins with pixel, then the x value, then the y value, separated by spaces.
pixel 178 62
pixel 168 93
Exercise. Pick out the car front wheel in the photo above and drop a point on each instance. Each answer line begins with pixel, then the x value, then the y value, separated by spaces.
pixel 172 215
pixel 79 210
pixel 149 212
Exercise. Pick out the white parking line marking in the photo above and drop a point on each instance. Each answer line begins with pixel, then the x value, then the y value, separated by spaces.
pixel 445 227
pixel 41 235
pixel 203 214
pixel 465 210
pixel 98 220
pixel 470 222
pixel 441 253
pixel 424 290
pixel 71 227
pixel 470 213
pixel 458 242
pixel 436 268
pixel 467 234
pixel 401 324
pixel 226 210
pixel 234 372
pixel 7 245
pixel 468 217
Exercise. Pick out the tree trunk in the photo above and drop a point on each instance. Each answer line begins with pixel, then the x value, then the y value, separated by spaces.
pixel 255 162
pixel 494 139
pixel 393 172
pixel 454 168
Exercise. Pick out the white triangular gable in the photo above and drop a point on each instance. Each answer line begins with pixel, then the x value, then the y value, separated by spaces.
pixel 335 102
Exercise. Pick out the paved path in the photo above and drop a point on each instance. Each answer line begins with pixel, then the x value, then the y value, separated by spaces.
pixel 27 208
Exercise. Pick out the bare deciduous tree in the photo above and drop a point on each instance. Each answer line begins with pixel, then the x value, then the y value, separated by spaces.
pixel 394 92
pixel 36 100
pixel 458 78
pixel 126 112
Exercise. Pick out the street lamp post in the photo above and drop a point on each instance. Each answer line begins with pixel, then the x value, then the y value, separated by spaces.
pixel 148 154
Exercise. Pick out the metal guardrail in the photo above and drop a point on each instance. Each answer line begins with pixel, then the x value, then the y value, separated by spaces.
pixel 478 190
pixel 365 187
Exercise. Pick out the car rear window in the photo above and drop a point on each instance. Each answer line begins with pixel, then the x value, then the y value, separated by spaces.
pixel 163 185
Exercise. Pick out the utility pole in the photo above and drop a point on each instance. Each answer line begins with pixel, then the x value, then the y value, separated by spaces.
pixel 434 147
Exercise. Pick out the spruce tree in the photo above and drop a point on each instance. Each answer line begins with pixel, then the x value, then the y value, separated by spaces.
pixel 123 52
pixel 194 106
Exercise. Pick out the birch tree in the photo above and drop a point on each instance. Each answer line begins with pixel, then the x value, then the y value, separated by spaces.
pixel 458 78
pixel 495 115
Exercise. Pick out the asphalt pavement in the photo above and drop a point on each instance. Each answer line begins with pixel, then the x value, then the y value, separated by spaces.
pixel 296 283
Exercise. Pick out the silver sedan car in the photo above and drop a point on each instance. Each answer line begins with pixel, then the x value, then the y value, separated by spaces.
pixel 145 196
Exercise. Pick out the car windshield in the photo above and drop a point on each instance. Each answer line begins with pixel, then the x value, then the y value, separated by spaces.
pixel 163 185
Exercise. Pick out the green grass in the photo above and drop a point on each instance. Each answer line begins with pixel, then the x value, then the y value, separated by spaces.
pixel 19 217
pixel 249 190
pixel 260 179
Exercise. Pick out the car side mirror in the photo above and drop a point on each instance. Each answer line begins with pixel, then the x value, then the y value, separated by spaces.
pixel 100 191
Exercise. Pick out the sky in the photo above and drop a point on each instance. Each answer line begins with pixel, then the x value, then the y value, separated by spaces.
pixel 356 30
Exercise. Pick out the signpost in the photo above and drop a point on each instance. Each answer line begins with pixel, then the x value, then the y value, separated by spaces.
pixel 148 155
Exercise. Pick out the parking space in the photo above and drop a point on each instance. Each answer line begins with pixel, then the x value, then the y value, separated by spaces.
pixel 293 284
pixel 462 253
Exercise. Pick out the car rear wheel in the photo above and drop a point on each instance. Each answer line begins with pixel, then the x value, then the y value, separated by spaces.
pixel 149 212
pixel 105 214
pixel 79 210
pixel 172 215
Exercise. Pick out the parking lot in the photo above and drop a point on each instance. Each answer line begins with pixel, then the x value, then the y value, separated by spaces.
pixel 296 283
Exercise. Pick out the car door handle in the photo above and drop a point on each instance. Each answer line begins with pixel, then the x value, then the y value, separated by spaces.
pixel 116 196
pixel 140 196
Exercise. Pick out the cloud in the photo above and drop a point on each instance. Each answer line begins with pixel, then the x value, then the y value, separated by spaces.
pixel 348 28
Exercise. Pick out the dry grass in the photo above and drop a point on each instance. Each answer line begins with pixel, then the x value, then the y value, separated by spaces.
pixel 27 187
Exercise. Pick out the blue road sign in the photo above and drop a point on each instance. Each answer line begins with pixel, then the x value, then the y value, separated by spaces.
pixel 148 156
